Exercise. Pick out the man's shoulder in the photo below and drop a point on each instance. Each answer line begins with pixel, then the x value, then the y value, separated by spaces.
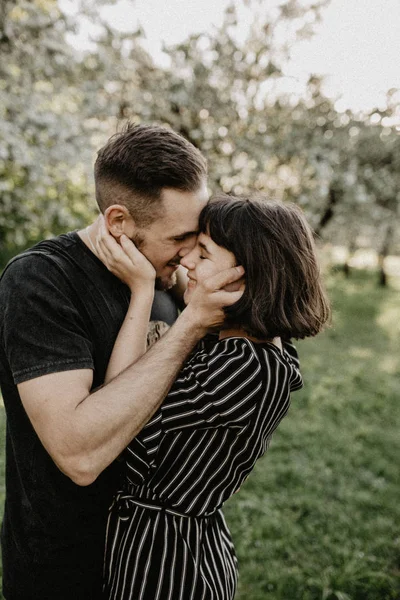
pixel 48 248
pixel 51 251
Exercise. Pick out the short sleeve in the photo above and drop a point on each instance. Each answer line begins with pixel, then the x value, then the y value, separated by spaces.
pixel 215 388
pixel 290 352
pixel 43 331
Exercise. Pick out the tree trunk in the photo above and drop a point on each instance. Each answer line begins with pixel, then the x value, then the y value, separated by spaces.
pixel 384 251
pixel 350 251
pixel 333 198
pixel 346 268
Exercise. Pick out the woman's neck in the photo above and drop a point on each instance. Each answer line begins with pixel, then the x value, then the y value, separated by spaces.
pixel 240 332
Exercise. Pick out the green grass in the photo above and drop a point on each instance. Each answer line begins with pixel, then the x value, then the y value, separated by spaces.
pixel 318 519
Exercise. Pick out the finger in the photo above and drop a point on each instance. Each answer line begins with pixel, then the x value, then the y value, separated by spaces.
pixel 236 286
pixel 136 256
pixel 111 249
pixel 114 257
pixel 107 242
pixel 223 298
pixel 223 278
pixel 130 248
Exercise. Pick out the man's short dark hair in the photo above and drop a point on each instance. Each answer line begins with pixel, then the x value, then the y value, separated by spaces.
pixel 138 162
pixel 275 245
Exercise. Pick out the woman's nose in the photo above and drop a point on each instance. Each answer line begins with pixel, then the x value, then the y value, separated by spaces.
pixel 188 260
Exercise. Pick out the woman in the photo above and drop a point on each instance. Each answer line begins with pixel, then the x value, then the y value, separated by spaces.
pixel 166 537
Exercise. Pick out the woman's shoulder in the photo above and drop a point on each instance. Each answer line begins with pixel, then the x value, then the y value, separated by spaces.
pixel 266 352
pixel 240 343
pixel 215 355
pixel 214 345
pixel 214 351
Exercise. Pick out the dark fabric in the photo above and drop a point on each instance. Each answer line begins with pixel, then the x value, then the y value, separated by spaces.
pixel 60 310
pixel 166 536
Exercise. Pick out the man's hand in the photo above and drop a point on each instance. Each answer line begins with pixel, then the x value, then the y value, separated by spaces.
pixel 205 309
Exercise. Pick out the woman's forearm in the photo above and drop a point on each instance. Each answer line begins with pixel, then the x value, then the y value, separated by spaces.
pixel 130 344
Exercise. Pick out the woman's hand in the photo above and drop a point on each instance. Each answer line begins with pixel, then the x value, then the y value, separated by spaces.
pixel 124 260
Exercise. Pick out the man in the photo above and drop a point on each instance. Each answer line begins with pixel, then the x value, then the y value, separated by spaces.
pixel 60 312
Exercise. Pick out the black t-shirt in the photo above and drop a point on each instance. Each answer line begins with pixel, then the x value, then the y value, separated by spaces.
pixel 60 310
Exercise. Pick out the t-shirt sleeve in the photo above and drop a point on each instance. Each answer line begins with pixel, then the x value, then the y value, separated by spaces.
pixel 43 330
pixel 214 389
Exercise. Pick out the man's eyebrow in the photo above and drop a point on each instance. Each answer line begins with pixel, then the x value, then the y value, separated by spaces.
pixel 183 235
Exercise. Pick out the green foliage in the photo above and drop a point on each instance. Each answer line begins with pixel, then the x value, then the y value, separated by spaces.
pixel 222 90
pixel 43 182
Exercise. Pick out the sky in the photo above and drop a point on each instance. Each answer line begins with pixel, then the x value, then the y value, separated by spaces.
pixel 356 46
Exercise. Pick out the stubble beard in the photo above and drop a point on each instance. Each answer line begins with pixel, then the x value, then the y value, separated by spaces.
pixel 165 283
pixel 161 283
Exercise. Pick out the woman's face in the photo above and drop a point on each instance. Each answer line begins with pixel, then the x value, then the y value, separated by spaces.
pixel 206 259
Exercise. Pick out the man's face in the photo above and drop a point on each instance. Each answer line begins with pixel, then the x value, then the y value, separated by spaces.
pixel 170 237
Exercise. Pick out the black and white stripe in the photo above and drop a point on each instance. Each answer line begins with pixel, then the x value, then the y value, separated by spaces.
pixel 166 536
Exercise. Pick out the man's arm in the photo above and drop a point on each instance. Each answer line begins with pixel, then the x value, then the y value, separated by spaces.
pixel 84 432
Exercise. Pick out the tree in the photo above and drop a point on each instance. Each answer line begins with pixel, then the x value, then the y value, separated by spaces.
pixel 223 90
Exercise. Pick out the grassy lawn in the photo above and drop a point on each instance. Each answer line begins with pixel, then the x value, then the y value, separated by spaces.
pixel 319 517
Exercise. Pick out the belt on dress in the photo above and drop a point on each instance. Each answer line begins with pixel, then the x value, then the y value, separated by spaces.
pixel 124 502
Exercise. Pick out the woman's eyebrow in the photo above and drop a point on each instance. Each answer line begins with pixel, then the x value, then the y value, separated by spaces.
pixel 204 247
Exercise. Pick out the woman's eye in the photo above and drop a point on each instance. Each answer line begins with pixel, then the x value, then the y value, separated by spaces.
pixel 202 257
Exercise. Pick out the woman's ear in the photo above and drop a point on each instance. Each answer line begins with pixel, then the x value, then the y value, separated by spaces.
pixel 119 221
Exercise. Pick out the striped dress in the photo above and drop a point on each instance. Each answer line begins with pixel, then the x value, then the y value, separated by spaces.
pixel 166 536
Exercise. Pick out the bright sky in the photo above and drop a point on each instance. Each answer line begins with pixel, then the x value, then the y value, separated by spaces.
pixel 357 45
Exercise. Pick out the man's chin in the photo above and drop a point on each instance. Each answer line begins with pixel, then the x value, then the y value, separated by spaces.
pixel 166 282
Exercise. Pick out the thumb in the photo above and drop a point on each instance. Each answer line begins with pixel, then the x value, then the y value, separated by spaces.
pixel 223 278
pixel 236 286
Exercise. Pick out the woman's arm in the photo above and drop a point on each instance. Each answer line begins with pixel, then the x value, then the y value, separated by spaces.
pixel 130 344
pixel 127 263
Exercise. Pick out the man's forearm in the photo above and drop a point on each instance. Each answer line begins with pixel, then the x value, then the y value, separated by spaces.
pixel 104 432
pixel 85 440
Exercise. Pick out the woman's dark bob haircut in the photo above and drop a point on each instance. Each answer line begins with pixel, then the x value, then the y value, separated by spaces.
pixel 274 243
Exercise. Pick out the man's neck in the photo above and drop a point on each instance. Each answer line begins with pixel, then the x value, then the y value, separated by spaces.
pixel 88 236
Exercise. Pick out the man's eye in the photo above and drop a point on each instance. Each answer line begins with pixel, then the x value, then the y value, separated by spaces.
pixel 180 238
pixel 201 256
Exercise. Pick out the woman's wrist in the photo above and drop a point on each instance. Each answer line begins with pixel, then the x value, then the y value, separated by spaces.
pixel 143 288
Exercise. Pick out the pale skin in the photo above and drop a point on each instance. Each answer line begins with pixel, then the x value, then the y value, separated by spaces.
pixel 205 260
pixel 85 431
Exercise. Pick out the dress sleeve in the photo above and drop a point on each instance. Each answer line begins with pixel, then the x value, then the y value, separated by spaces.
pixel 291 353
pixel 215 388
pixel 43 329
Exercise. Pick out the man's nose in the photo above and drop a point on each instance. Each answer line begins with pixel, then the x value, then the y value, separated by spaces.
pixel 188 246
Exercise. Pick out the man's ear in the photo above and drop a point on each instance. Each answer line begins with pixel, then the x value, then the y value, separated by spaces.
pixel 119 221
